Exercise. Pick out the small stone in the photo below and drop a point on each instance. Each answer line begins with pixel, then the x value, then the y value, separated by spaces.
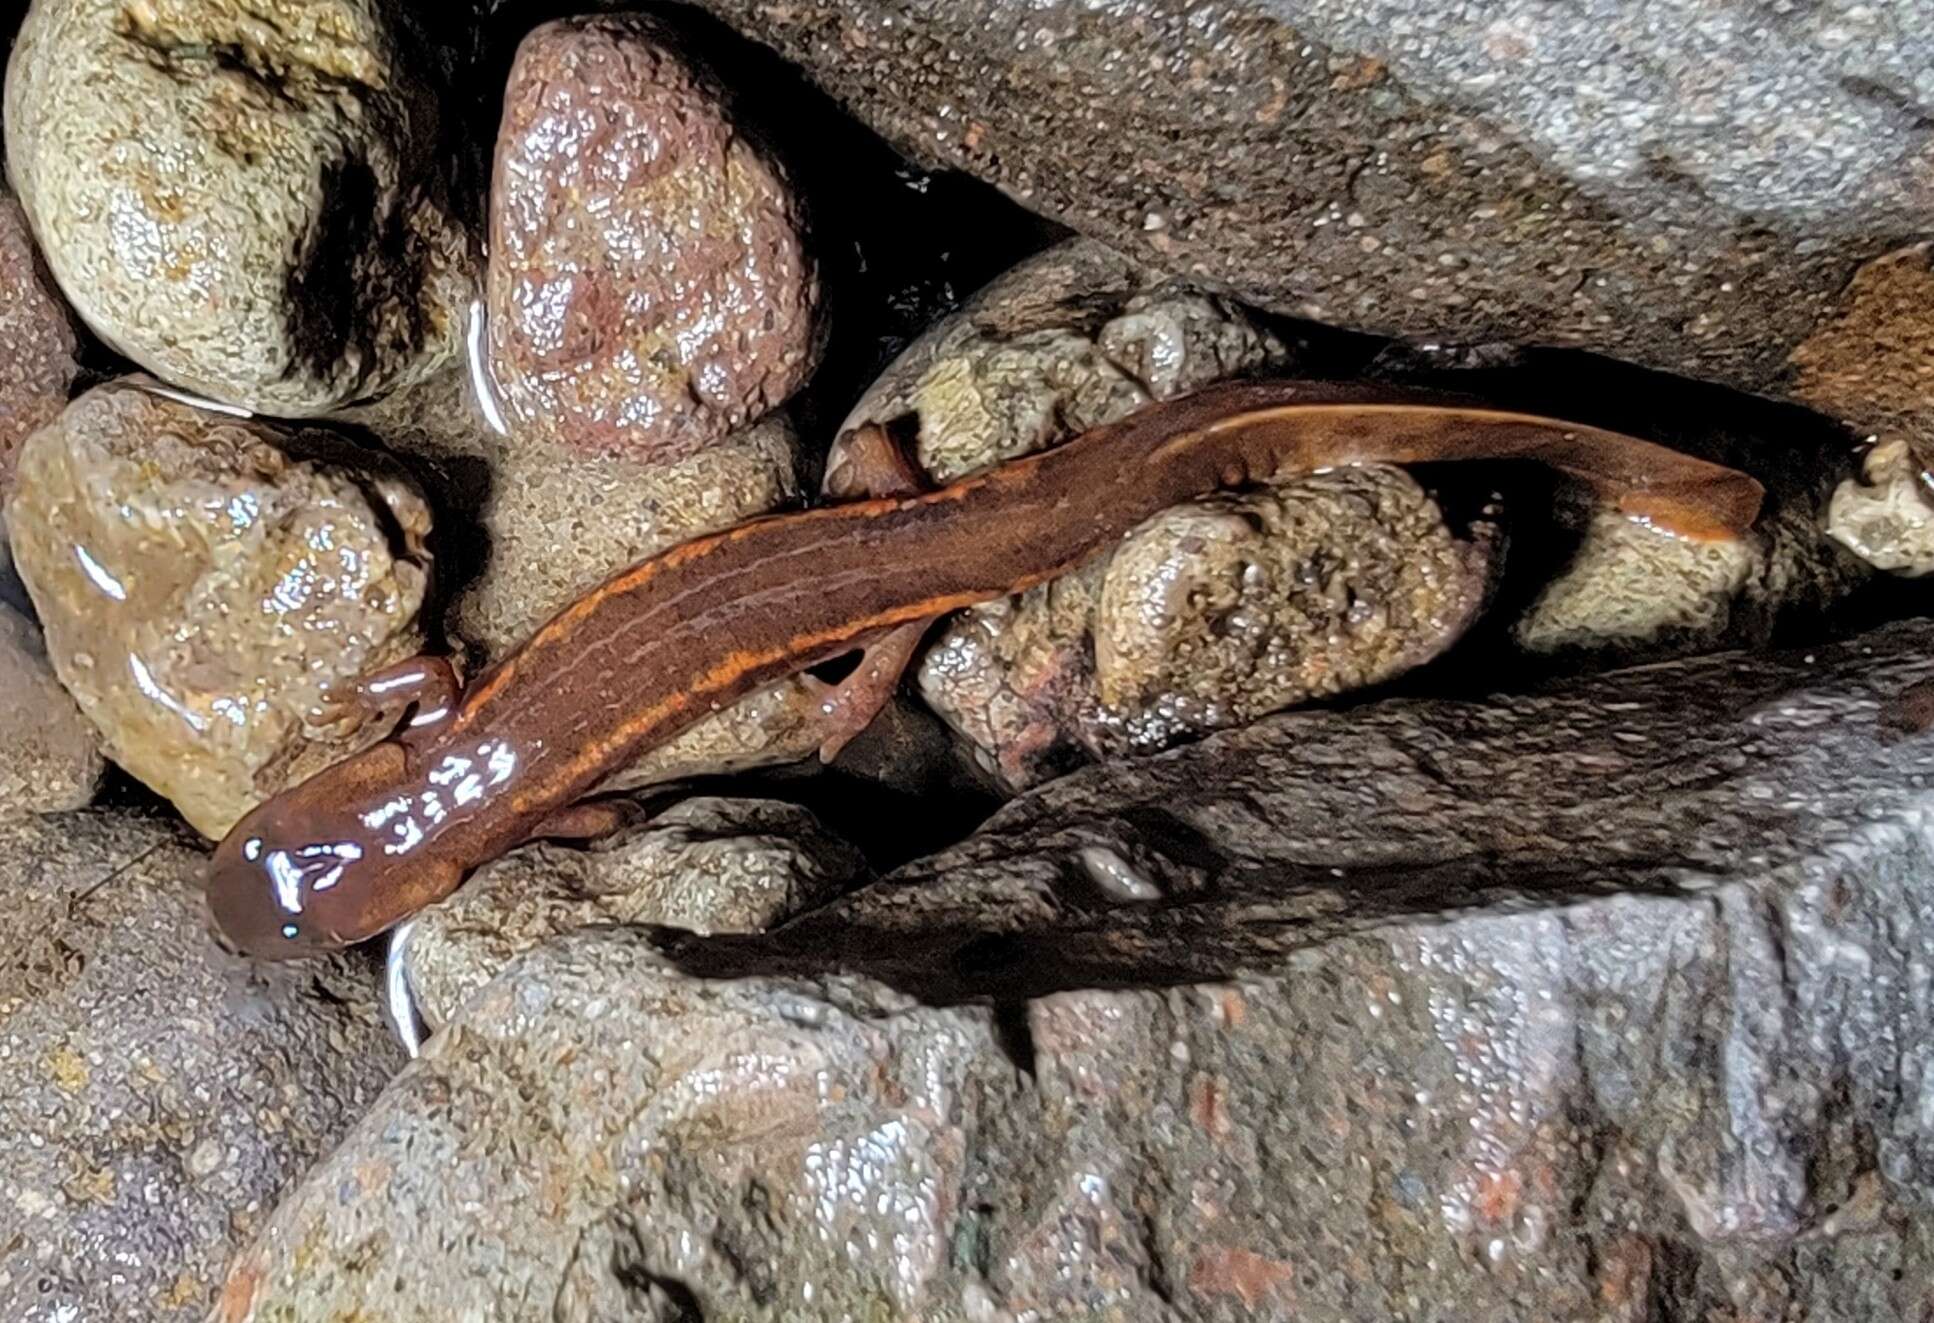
pixel 53 755
pixel 243 196
pixel 707 865
pixel 201 578
pixel 649 288
pixel 39 344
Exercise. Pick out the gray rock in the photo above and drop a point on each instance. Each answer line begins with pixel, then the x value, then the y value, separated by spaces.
pixel 155 1095
pixel 597 1137
pixel 53 756
pixel 247 197
pixel 707 865
pixel 1621 177
pixel 1615 1012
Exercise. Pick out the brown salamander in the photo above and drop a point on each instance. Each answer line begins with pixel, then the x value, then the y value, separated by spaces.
pixel 371 840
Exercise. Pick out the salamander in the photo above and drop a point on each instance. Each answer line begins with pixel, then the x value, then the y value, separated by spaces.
pixel 371 840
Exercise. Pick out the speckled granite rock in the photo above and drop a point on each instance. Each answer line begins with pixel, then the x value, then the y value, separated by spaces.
pixel 53 756
pixel 649 287
pixel 247 197
pixel 707 865
pixel 39 343
pixel 201 578
pixel 1606 176
pixel 1613 1013
pixel 155 1096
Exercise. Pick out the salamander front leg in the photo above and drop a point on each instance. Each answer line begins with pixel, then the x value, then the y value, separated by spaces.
pixel 871 464
pixel 426 688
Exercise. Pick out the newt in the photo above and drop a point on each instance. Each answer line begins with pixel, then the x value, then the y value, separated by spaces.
pixel 474 772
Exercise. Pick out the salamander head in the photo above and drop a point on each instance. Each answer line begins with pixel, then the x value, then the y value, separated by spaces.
pixel 300 875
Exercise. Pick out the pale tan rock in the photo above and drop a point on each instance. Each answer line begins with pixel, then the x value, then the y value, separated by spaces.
pixel 246 197
pixel 201 579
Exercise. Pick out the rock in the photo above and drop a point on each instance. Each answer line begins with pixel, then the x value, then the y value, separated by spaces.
pixel 649 288
pixel 53 755
pixel 1506 173
pixel 707 865
pixel 249 199
pixel 39 346
pixel 561 523
pixel 1069 339
pixel 1612 1013
pixel 580 1093
pixel 1636 1033
pixel 1206 616
pixel 1886 519
pixel 156 1096
pixel 201 579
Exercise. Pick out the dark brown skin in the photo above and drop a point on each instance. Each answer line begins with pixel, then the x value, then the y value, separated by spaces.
pixel 365 844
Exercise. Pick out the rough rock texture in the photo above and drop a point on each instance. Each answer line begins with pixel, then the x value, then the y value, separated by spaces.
pixel 156 1096
pixel 1208 615
pixel 38 343
pixel 1607 177
pixel 1886 519
pixel 1069 339
pixel 1216 611
pixel 649 288
pixel 1636 1036
pixel 53 756
pixel 247 197
pixel 202 578
pixel 583 1097
pixel 707 865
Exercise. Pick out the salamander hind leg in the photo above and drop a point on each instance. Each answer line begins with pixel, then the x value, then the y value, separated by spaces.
pixel 872 463
pixel 587 820
pixel 848 706
pixel 426 689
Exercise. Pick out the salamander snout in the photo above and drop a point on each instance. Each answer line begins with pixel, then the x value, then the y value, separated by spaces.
pixel 267 891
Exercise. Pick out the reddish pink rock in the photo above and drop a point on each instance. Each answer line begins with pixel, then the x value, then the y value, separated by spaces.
pixel 38 342
pixel 649 289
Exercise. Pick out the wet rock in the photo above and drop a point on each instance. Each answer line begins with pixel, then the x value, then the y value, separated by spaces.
pixel 156 1097
pixel 707 865
pixel 249 199
pixel 1886 518
pixel 560 523
pixel 39 344
pixel 1206 616
pixel 1445 173
pixel 649 289
pixel 201 579
pixel 1602 1003
pixel 53 759
pixel 1214 612
pixel 646 1146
